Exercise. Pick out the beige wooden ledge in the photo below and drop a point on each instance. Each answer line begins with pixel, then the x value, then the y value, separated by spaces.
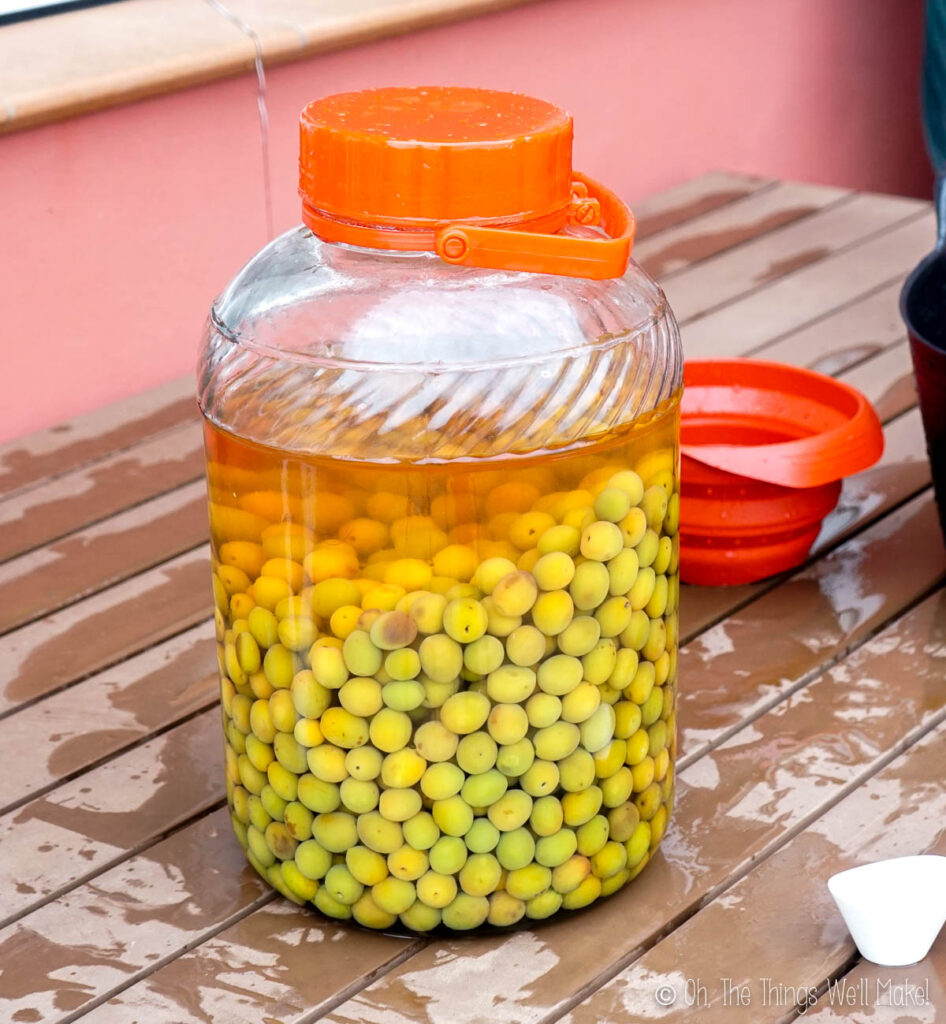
pixel 65 64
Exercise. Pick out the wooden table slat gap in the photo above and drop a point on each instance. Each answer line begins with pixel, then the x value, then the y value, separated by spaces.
pixel 166 433
pixel 729 188
pixel 861 325
pixel 902 415
pixel 767 586
pixel 123 420
pixel 724 229
pixel 855 364
pixel 107 865
pixel 170 437
pixel 118 751
pixel 169 762
pixel 98 522
pixel 816 285
pixel 222 925
pixel 758 350
pixel 55 604
pixel 355 987
pixel 848 247
pixel 831 1007
pixel 178 631
pixel 842 200
pixel 843 652
pixel 821 989
pixel 17 646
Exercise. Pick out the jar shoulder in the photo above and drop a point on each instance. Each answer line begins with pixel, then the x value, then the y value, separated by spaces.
pixel 300 295
pixel 341 350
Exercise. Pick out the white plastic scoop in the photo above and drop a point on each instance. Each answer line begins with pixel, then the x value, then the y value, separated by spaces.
pixel 894 909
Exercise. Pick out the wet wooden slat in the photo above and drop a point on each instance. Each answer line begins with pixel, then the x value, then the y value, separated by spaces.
pixel 262 966
pixel 672 206
pixel 100 630
pixel 887 381
pixel 735 807
pixel 62 735
pixel 103 934
pixel 797 298
pixel 870 994
pixel 29 459
pixel 98 818
pixel 780 921
pixel 60 506
pixel 738 222
pixel 750 269
pixel 761 653
pixel 856 331
pixel 115 549
pixel 902 470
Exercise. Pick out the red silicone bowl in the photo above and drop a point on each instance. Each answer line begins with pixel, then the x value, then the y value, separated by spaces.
pixel 764 449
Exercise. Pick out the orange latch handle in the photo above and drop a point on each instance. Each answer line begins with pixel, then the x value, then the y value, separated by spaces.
pixel 538 253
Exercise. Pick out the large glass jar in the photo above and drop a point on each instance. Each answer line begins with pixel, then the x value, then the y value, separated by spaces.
pixel 442 458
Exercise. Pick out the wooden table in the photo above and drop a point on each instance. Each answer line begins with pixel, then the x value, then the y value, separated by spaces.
pixel 813 707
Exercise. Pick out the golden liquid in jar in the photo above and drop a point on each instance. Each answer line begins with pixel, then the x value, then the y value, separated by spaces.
pixel 326 547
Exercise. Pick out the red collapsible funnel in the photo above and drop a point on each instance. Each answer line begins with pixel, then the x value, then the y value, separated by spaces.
pixel 765 447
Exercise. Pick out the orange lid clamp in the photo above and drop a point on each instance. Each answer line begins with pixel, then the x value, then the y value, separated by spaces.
pixel 482 178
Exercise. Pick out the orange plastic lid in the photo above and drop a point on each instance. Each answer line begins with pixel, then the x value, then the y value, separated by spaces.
pixel 484 178
pixel 414 157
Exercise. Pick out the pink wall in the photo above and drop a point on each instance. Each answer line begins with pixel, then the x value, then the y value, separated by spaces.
pixel 119 227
